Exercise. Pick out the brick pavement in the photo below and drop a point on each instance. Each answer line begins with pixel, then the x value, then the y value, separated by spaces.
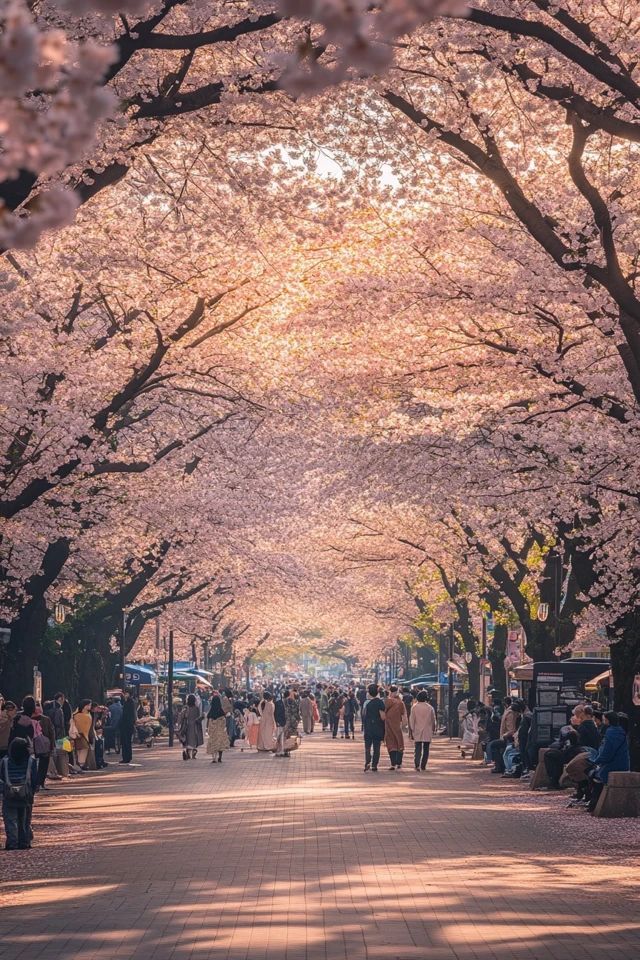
pixel 310 859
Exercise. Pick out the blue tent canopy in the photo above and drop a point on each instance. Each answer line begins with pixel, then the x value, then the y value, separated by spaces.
pixel 136 674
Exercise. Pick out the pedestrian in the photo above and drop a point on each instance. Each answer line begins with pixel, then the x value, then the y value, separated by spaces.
pixel 267 728
pixel 127 727
pixel 84 732
pixel 112 726
pixel 373 717
pixel 335 708
pixel 218 738
pixel 23 726
pixel 19 775
pixel 100 715
pixel 422 724
pixel 190 729
pixel 67 712
pixel 395 716
pixel 324 708
pixel 280 717
pixel 44 745
pixel 292 720
pixel 7 716
pixel 350 708
pixel 307 712
pixel 251 726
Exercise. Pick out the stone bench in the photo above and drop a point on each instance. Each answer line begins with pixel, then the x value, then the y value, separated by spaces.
pixel 620 796
pixel 540 777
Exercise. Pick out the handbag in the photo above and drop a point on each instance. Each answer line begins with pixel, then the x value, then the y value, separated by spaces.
pixel 17 794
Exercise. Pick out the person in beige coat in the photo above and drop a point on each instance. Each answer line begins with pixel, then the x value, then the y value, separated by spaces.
pixel 422 724
pixel 395 715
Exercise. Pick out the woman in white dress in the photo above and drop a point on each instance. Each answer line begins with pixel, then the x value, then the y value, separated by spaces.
pixel 267 727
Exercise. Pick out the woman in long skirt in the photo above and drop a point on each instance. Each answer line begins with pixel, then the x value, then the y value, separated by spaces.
pixel 251 726
pixel 190 731
pixel 267 728
pixel 216 730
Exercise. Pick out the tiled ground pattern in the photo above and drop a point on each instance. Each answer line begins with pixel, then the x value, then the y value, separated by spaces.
pixel 310 859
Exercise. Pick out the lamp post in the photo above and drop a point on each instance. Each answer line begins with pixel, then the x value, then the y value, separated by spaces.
pixel 450 681
pixel 170 689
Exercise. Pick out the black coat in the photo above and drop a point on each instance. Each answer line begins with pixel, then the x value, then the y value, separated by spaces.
pixel 128 719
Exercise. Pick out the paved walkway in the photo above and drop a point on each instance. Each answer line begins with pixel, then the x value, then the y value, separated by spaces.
pixel 310 859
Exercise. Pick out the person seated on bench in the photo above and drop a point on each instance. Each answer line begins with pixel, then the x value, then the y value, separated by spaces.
pixel 612 756
pixel 586 739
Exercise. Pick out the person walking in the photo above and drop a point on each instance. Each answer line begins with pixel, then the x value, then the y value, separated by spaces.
pixel 335 706
pixel 218 738
pixel 292 719
pixel 7 716
pixel 422 726
pixel 394 717
pixel 373 717
pixel 323 706
pixel 190 731
pixel 280 717
pixel 350 710
pixel 267 729
pixel 19 776
pixel 307 712
pixel 127 727
pixel 251 725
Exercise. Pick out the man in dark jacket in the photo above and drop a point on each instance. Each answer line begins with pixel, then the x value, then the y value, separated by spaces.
pixel 65 706
pixel 127 726
pixel 53 710
pixel 588 733
pixel 373 725
pixel 280 717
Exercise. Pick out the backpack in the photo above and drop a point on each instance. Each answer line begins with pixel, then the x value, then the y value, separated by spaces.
pixel 17 794
pixel 41 744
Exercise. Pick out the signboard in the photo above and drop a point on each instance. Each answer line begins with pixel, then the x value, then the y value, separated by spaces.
pixel 491 626
pixel 37 685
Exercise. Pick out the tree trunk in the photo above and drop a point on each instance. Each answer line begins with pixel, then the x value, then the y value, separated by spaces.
pixel 625 665
pixel 474 676
pixel 497 652
pixel 29 625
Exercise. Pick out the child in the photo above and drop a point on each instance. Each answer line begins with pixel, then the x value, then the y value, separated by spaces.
pixel 19 776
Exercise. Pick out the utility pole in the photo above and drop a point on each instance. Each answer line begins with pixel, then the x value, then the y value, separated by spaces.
pixel 170 689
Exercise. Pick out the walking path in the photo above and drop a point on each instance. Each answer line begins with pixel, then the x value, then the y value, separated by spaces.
pixel 310 859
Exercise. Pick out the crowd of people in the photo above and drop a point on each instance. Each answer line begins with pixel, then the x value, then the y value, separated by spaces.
pixel 268 720
pixel 588 748
pixel 48 741
pixel 42 742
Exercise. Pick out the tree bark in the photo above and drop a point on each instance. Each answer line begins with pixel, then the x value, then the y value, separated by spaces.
pixel 625 664
pixel 29 625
